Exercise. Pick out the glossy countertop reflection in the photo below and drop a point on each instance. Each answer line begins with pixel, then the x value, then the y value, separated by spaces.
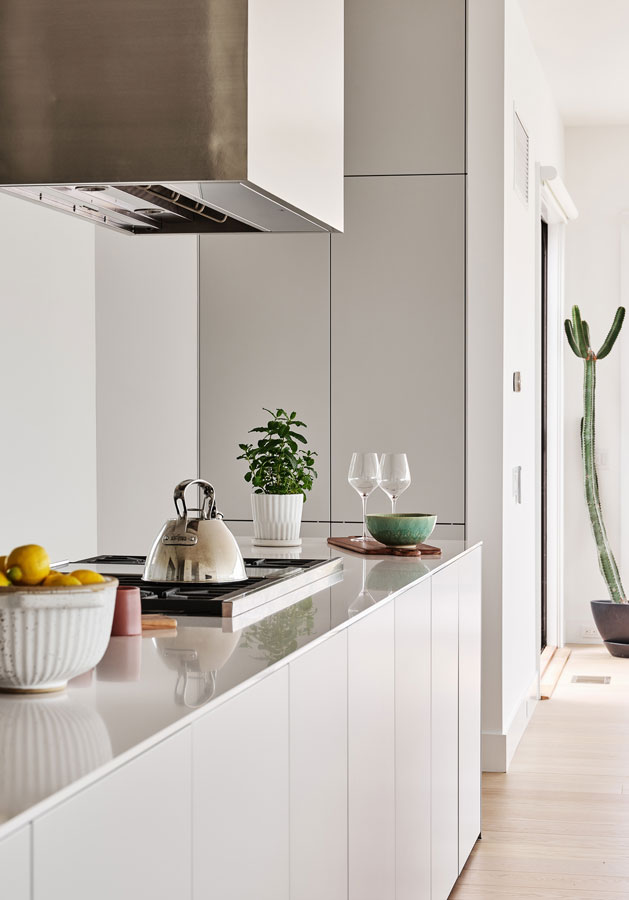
pixel 145 685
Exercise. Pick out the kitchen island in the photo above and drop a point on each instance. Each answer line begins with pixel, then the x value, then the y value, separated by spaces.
pixel 331 749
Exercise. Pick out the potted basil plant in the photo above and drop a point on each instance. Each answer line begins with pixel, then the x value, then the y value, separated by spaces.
pixel 281 472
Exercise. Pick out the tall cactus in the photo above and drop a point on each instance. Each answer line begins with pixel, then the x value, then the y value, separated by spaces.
pixel 578 334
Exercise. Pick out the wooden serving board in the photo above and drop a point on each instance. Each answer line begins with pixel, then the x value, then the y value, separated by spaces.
pixel 157 622
pixel 371 547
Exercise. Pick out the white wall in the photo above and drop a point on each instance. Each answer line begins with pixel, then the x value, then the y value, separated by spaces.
pixel 527 92
pixel 47 418
pixel 147 382
pixel 485 325
pixel 503 322
pixel 596 165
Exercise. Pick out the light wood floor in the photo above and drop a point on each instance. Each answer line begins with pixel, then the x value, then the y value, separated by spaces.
pixel 557 825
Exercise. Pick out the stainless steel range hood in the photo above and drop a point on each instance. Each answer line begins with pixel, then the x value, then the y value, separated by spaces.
pixel 171 116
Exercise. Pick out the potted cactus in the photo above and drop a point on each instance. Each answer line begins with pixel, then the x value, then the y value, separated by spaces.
pixel 611 616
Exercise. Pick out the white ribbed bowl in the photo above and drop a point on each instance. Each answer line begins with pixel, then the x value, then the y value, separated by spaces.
pixel 49 635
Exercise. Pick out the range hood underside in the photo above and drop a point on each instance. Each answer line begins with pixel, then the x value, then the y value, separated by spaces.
pixel 190 207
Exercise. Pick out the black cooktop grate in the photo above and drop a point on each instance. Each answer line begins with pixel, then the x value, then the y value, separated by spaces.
pixel 196 599
pixel 168 589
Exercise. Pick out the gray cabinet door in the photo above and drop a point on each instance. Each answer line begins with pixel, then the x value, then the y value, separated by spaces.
pixel 398 332
pixel 404 86
pixel 264 342
pixel 15 865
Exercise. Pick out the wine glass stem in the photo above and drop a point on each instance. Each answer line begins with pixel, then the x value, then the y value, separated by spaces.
pixel 393 503
pixel 364 499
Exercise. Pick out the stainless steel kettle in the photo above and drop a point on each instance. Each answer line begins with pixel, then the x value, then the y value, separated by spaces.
pixel 195 549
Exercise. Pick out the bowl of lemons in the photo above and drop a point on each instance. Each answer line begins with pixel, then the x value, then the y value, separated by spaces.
pixel 53 625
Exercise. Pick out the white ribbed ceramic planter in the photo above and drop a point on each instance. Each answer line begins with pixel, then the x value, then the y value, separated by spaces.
pixel 277 519
pixel 49 635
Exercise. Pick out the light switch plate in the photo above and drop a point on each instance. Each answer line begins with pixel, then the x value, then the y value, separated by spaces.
pixel 517 484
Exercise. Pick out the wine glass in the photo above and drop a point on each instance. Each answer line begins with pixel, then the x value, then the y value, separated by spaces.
pixel 395 476
pixel 364 475
pixel 363 600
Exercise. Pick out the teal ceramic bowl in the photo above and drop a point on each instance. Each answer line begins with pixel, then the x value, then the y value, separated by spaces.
pixel 402 530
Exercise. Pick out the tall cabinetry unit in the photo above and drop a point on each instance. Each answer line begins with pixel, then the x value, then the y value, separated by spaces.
pixel 398 290
pixel 351 328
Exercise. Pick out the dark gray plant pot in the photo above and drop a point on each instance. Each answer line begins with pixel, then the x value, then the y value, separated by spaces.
pixel 612 621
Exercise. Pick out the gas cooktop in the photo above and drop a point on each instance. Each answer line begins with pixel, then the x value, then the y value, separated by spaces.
pixel 267 579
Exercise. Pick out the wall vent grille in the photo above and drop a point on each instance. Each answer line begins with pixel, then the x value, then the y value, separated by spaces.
pixel 591 679
pixel 520 158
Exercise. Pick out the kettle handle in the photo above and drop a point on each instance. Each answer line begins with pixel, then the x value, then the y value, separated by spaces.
pixel 208 505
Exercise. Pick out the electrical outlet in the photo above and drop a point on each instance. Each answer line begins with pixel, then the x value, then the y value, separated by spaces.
pixel 589 631
pixel 601 458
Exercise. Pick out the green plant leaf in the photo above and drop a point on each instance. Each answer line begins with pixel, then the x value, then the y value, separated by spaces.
pixel 571 339
pixel 277 464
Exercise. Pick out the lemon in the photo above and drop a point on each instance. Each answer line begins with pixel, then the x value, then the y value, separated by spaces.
pixel 32 560
pixel 87 576
pixel 61 579
pixel 4 581
pixel 52 578
pixel 14 574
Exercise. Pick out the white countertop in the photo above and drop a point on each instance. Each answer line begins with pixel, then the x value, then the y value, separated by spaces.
pixel 53 745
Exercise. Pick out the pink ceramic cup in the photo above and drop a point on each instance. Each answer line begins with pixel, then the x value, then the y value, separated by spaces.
pixel 127 613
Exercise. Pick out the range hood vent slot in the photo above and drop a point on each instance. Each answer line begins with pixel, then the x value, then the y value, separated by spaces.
pixel 135 209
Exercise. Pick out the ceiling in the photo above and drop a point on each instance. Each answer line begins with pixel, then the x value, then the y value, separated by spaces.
pixel 584 49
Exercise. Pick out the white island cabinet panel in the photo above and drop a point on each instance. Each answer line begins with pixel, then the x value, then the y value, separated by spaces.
pixel 318 772
pixel 240 802
pixel 412 742
pixel 444 731
pixel 15 866
pixel 127 836
pixel 469 702
pixel 371 753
